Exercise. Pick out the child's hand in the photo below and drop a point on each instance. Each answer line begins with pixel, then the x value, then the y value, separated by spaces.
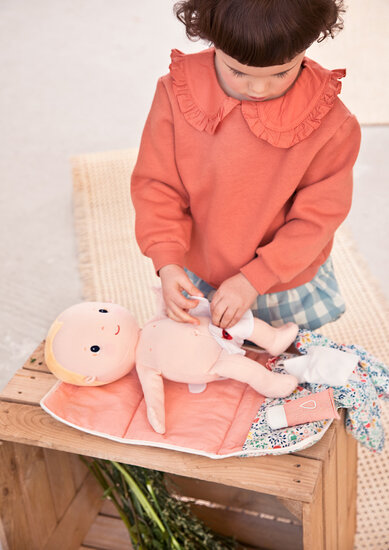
pixel 174 280
pixel 233 297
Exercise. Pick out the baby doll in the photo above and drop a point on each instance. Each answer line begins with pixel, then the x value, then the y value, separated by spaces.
pixel 96 343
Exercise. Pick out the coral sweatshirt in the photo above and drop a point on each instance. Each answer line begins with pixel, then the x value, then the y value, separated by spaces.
pixel 223 186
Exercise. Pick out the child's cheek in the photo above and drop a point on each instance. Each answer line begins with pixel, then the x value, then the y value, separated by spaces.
pixel 237 85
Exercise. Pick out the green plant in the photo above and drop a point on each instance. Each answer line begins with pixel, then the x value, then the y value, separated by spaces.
pixel 155 519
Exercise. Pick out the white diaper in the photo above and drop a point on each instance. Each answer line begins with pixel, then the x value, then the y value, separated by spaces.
pixel 232 339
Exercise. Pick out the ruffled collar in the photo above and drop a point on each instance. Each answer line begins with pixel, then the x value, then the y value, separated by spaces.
pixel 282 122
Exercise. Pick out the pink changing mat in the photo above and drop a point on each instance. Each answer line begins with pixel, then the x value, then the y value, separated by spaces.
pixel 214 423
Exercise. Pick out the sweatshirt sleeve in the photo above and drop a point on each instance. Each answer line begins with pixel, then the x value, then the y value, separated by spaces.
pixel 322 201
pixel 162 218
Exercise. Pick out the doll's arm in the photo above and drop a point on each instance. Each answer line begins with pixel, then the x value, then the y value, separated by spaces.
pixel 163 223
pixel 321 203
pixel 153 391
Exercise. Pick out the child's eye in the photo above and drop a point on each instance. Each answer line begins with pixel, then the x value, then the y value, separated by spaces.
pixel 282 75
pixel 236 73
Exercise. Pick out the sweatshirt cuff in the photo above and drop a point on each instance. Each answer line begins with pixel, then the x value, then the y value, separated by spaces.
pixel 165 253
pixel 260 276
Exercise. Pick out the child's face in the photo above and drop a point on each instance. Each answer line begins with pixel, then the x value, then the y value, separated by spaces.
pixel 249 83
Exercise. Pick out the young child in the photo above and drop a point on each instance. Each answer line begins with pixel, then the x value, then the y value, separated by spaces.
pixel 245 165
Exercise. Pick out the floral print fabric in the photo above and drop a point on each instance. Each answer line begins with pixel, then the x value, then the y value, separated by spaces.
pixel 360 397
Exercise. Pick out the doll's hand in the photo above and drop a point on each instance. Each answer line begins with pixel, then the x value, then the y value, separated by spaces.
pixel 174 280
pixel 233 297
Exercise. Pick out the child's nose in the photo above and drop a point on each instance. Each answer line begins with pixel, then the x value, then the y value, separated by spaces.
pixel 258 91
pixel 258 88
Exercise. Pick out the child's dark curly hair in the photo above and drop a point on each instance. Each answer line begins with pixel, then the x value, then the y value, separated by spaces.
pixel 261 33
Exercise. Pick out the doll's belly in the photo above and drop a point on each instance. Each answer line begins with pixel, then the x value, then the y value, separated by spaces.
pixel 180 351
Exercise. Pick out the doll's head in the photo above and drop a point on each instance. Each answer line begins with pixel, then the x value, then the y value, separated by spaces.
pixel 92 343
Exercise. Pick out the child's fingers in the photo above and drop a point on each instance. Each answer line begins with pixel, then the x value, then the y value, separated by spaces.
pixel 172 315
pixel 189 287
pixel 182 316
pixel 217 313
pixel 174 296
pixel 185 303
pixel 230 318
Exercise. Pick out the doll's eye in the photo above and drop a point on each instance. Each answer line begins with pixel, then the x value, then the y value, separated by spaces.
pixel 95 349
pixel 103 310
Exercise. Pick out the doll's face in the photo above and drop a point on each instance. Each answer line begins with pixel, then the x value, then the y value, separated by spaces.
pixel 96 340
pixel 255 83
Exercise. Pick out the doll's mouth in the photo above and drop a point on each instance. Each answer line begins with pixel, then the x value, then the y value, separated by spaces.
pixel 118 330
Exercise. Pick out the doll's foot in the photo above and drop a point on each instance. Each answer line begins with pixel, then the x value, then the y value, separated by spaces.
pixel 278 385
pixel 283 337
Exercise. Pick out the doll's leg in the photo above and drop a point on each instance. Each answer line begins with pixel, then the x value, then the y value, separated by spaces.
pixel 269 384
pixel 153 391
pixel 272 339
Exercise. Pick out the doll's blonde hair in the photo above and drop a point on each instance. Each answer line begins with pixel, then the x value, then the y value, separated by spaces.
pixel 59 370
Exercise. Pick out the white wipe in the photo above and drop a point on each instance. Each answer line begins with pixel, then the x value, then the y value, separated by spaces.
pixel 322 365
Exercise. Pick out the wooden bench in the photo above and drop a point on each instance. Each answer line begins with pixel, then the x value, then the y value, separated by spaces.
pixel 48 500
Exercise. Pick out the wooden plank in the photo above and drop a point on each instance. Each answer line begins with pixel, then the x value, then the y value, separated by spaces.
pixel 79 470
pixel 259 532
pixel 275 475
pixel 319 450
pixel 352 461
pixel 346 497
pixel 342 496
pixel 28 387
pixel 247 515
pixel 14 521
pixel 109 509
pixel 108 533
pixel 313 532
pixel 251 528
pixel 3 540
pixel 63 488
pixel 294 507
pixel 330 497
pixel 230 497
pixel 78 518
pixel 37 496
pixel 32 517
pixel 36 361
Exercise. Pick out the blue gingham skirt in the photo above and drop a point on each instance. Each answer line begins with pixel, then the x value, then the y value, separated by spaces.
pixel 311 305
